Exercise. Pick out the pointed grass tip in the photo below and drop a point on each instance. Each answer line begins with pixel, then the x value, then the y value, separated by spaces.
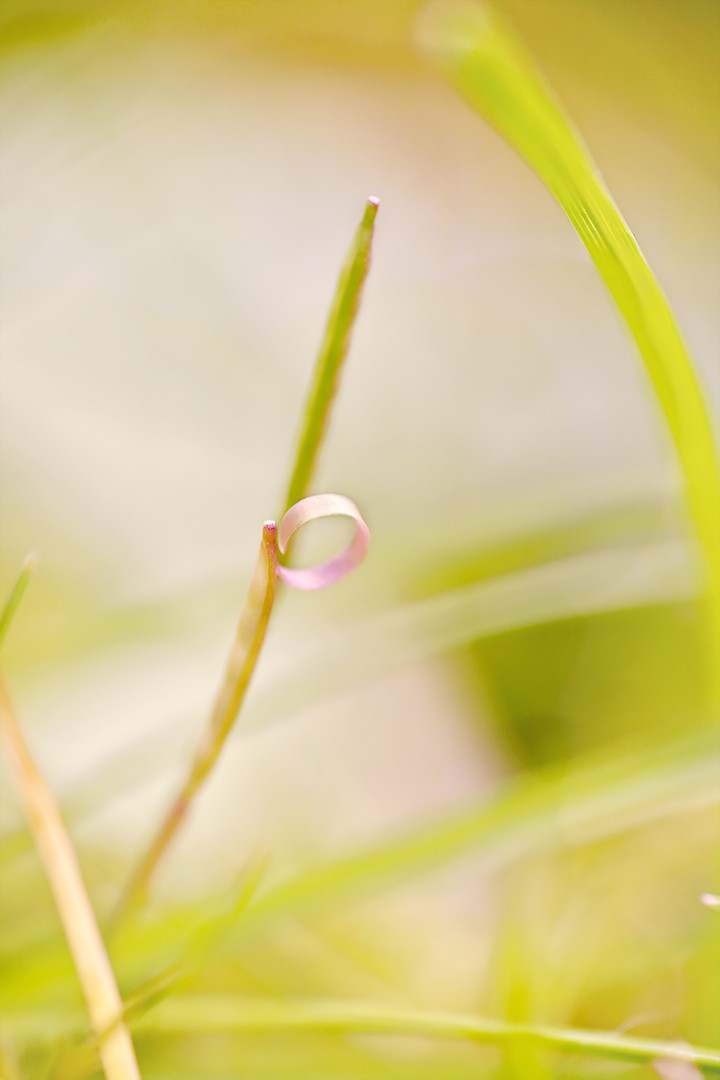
pixel 710 900
pixel 371 209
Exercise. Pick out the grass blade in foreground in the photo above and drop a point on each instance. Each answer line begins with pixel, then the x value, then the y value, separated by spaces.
pixel 544 812
pixel 79 923
pixel 328 367
pixel 208 1015
pixel 493 71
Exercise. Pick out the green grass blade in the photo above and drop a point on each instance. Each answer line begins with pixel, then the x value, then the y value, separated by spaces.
pixel 222 1013
pixel 491 68
pixel 544 812
pixel 328 367
pixel 16 594
pixel 214 1014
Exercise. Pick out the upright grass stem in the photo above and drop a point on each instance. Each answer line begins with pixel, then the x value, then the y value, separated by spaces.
pixel 95 974
pixel 491 68
pixel 256 612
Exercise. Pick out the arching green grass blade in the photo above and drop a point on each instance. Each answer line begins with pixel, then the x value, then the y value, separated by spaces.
pixel 491 68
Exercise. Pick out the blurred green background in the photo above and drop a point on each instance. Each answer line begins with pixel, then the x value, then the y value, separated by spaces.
pixel 180 182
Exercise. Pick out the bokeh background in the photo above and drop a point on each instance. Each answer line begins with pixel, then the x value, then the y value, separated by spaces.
pixel 180 183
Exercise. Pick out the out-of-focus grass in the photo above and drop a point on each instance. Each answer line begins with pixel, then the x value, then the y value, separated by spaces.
pixel 16 594
pixel 436 839
pixel 490 67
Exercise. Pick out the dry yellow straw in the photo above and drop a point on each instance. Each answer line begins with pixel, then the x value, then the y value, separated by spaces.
pixel 54 846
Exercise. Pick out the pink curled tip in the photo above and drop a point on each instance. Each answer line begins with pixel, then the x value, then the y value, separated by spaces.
pixel 335 569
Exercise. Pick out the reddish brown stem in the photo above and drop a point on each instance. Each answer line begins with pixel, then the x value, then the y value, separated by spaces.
pixel 238 672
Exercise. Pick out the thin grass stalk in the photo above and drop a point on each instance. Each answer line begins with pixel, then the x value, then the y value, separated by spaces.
pixel 238 672
pixel 491 68
pixel 215 1014
pixel 333 350
pixel 54 846
pixel 255 614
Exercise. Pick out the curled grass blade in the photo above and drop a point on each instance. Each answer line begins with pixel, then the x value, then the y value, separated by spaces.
pixel 491 68
pixel 221 1014
pixel 244 655
pixel 333 350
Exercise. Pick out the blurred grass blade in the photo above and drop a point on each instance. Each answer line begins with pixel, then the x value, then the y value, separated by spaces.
pixel 214 1014
pixel 490 67
pixel 587 584
pixel 333 662
pixel 16 594
pixel 203 943
pixel 207 1015
pixel 547 811
pixel 79 923
pixel 328 367
pixel 238 672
